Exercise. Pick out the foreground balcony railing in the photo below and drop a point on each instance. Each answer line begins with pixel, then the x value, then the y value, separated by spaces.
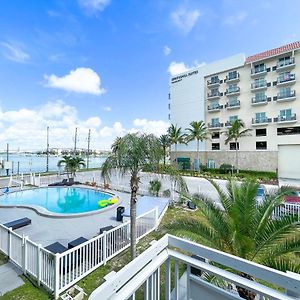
pixel 286 119
pixel 258 71
pixel 213 95
pixel 215 125
pixel 286 96
pixel 261 121
pixel 233 104
pixel 287 63
pixel 213 82
pixel 259 100
pixel 214 107
pixel 184 263
pixel 285 79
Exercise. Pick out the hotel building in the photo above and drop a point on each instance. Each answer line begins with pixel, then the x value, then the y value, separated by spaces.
pixel 262 90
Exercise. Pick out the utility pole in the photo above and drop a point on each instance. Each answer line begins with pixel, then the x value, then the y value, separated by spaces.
pixel 88 150
pixel 7 158
pixel 75 141
pixel 47 162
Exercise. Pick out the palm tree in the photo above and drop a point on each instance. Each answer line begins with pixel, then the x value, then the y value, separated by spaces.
pixel 176 137
pixel 234 133
pixel 197 131
pixel 244 228
pixel 134 151
pixel 71 164
pixel 165 143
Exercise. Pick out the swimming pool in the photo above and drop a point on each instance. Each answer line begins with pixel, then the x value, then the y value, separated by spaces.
pixel 60 200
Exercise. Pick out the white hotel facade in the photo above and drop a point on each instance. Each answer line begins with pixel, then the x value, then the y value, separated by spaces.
pixel 262 90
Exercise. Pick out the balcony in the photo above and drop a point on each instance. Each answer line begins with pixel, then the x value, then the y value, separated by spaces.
pixel 258 71
pixel 285 64
pixel 259 100
pixel 214 107
pixel 176 268
pixel 233 78
pixel 228 123
pixel 261 121
pixel 232 92
pixel 260 85
pixel 286 119
pixel 213 82
pixel 215 95
pixel 233 105
pixel 216 125
pixel 286 79
pixel 288 96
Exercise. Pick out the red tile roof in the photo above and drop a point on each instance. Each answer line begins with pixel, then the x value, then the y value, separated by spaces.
pixel 273 52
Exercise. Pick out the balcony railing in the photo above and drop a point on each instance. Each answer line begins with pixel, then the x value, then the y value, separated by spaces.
pixel 213 82
pixel 215 125
pixel 233 78
pixel 233 105
pixel 259 85
pixel 230 92
pixel 258 71
pixel 287 78
pixel 228 123
pixel 287 63
pixel 214 107
pixel 258 121
pixel 186 265
pixel 214 95
pixel 291 95
pixel 259 100
pixel 288 119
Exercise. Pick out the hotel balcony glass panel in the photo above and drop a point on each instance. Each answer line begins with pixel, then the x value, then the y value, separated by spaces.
pixel 286 95
pixel 233 104
pixel 259 99
pixel 233 90
pixel 286 78
pixel 285 63
pixel 214 81
pixel 213 95
pixel 260 121
pixel 286 118
pixel 258 70
pixel 215 124
pixel 233 76
pixel 259 84
pixel 214 107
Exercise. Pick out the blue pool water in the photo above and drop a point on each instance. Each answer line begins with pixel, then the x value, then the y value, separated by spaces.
pixel 64 200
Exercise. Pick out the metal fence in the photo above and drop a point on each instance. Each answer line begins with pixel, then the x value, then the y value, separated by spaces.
pixel 58 272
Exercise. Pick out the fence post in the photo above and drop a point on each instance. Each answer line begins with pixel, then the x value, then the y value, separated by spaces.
pixel 24 253
pixel 9 242
pixel 38 263
pixel 104 247
pixel 56 276
pixel 156 217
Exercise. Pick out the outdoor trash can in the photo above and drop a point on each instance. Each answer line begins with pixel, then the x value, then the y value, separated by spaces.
pixel 120 211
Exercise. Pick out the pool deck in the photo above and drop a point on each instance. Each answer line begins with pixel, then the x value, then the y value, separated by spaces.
pixel 47 230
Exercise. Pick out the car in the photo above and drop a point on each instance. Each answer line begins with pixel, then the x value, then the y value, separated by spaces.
pixel 260 194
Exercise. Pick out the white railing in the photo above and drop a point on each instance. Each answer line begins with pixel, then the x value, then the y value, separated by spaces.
pixel 183 275
pixel 287 209
pixel 57 272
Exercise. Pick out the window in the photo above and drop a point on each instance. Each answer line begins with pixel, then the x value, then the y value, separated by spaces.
pixel 283 61
pixel 232 146
pixel 215 121
pixel 215 146
pixel 260 117
pixel 259 68
pixel 214 91
pixel 286 76
pixel 288 130
pixel 261 132
pixel 232 119
pixel 215 135
pixel 232 75
pixel 261 145
pixel 214 79
pixel 259 82
pixel 232 88
pixel 260 96
pixel 284 92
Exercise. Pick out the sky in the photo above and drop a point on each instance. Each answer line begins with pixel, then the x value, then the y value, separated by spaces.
pixel 105 65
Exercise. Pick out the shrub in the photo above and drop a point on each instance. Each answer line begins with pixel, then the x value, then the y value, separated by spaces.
pixel 154 187
pixel 167 193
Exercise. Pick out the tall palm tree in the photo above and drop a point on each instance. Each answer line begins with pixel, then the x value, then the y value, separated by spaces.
pixel 244 228
pixel 134 151
pixel 234 133
pixel 176 137
pixel 71 164
pixel 165 143
pixel 197 131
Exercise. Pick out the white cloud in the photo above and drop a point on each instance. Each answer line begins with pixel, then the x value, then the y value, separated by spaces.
pixel 185 19
pixel 93 6
pixel 236 18
pixel 176 68
pixel 106 108
pixel 26 128
pixel 167 50
pixel 14 52
pixel 80 80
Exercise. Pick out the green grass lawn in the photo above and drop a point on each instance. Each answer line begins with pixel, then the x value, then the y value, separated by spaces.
pixel 30 291
pixel 3 259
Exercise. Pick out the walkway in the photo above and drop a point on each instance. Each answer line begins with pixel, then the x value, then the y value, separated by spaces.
pixel 9 278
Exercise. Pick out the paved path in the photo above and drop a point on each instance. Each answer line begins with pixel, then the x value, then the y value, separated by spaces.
pixel 9 278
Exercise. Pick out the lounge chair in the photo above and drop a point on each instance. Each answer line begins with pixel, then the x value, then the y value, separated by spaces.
pixel 76 242
pixel 56 248
pixel 18 223
pixel 191 205
pixel 106 228
pixel 60 183
pixel 70 182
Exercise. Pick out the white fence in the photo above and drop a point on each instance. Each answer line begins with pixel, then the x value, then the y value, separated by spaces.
pixel 287 209
pixel 58 272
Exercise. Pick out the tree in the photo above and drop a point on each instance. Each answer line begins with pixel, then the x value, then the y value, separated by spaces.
pixel 134 151
pixel 176 137
pixel 154 187
pixel 234 133
pixel 245 228
pixel 197 131
pixel 165 143
pixel 71 164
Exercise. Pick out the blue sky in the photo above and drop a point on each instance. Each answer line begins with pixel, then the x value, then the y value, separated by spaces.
pixel 103 64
